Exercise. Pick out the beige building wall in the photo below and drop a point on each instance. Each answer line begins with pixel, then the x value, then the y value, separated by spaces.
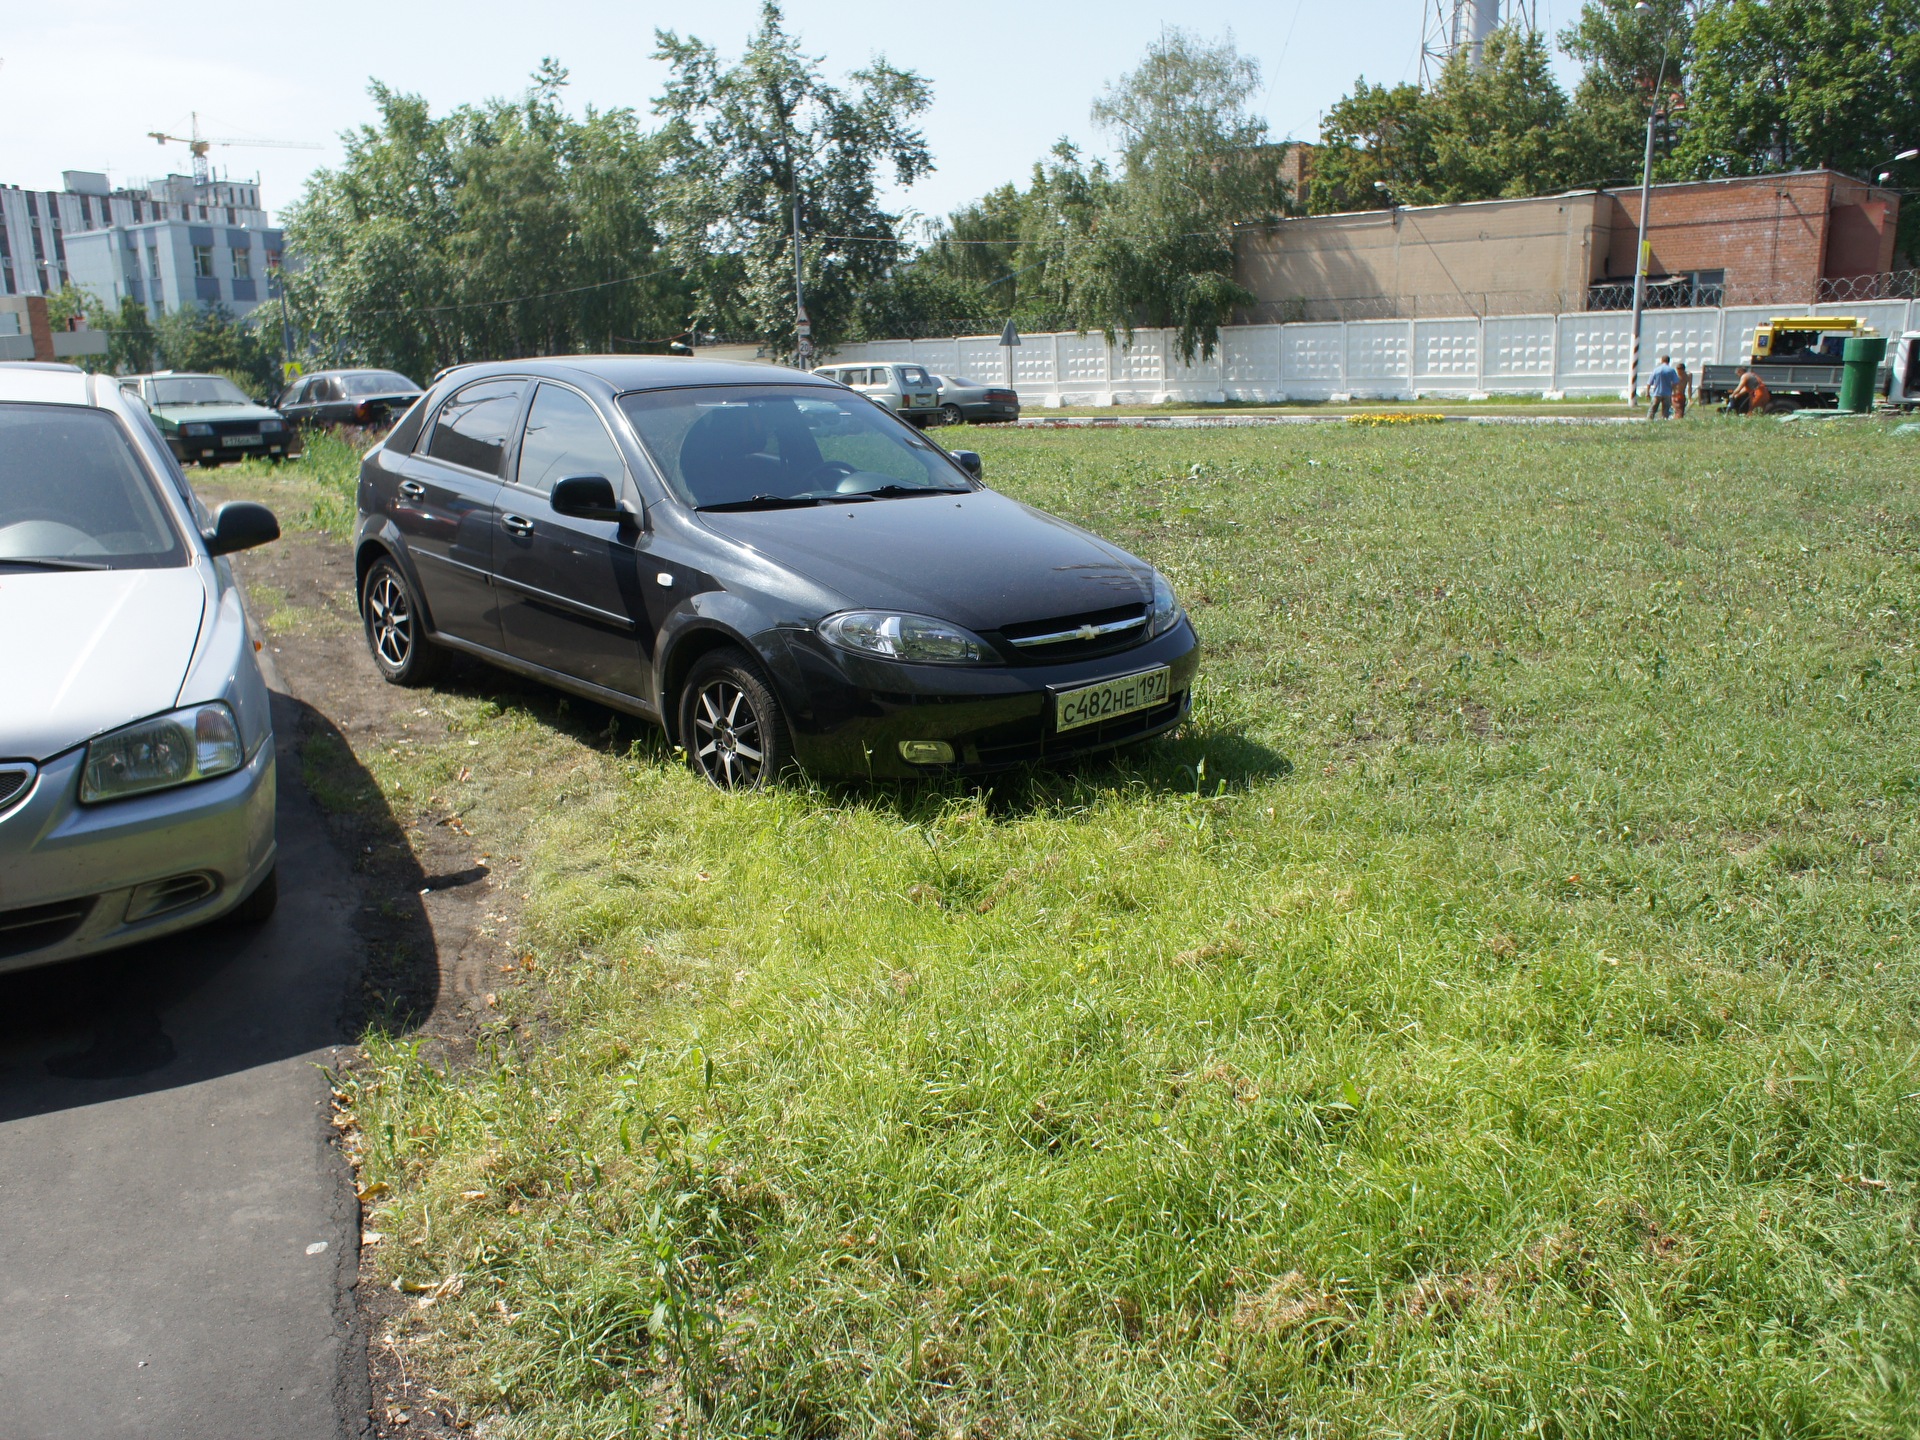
pixel 1492 257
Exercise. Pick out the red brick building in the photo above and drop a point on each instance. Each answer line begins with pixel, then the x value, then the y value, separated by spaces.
pixel 1758 240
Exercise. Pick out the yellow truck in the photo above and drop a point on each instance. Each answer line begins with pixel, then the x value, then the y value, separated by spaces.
pixel 1798 356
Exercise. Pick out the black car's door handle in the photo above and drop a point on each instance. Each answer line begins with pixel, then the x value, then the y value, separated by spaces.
pixel 412 489
pixel 518 524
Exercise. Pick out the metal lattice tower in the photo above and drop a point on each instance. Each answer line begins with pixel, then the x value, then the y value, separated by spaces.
pixel 1454 25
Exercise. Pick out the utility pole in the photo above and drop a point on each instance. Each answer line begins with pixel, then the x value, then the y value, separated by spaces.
pixel 802 327
pixel 1644 248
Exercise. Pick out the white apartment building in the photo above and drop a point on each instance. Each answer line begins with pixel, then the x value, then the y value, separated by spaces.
pixel 168 244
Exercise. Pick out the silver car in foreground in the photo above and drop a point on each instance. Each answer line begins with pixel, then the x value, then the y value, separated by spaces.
pixel 136 747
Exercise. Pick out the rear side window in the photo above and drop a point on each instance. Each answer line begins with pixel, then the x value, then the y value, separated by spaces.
pixel 72 488
pixel 402 437
pixel 473 427
pixel 914 375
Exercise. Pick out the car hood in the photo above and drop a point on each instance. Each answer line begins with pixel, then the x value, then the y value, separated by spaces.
pixel 91 650
pixel 207 414
pixel 978 559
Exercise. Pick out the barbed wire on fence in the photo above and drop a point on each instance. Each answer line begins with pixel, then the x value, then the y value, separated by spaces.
pixel 1891 285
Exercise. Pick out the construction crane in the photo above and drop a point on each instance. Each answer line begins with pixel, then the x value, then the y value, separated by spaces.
pixel 1454 25
pixel 198 145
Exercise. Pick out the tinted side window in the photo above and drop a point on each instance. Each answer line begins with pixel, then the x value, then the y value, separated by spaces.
pixel 565 437
pixel 473 426
pixel 401 438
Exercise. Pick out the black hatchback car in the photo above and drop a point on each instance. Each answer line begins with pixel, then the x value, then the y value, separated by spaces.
pixel 774 569
pixel 348 397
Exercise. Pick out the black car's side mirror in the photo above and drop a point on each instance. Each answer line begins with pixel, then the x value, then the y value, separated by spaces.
pixel 240 525
pixel 969 461
pixel 589 497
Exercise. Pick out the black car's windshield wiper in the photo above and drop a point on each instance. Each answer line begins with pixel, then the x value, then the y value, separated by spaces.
pixel 47 562
pixel 889 492
pixel 765 502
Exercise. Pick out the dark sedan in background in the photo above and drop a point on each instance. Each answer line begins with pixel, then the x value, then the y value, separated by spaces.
pixel 963 400
pixel 771 567
pixel 348 397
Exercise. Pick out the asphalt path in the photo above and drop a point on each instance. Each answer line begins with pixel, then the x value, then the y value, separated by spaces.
pixel 178 1233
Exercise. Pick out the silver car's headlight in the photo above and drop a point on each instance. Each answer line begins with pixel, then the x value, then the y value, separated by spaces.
pixel 196 430
pixel 196 743
pixel 918 638
pixel 1165 613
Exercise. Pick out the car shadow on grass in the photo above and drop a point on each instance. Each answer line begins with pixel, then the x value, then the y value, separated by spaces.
pixel 226 998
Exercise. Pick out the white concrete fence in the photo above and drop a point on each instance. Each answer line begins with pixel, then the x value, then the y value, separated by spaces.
pixel 1584 353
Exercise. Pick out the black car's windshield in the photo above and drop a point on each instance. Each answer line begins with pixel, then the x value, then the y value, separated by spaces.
pixel 73 495
pixel 769 446
pixel 378 382
pixel 196 390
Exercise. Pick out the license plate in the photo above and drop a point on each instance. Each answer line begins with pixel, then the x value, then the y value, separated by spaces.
pixel 239 439
pixel 1093 703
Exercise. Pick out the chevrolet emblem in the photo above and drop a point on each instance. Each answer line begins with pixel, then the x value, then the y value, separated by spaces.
pixel 1088 632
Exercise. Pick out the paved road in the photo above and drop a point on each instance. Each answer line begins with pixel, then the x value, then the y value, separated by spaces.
pixel 177 1234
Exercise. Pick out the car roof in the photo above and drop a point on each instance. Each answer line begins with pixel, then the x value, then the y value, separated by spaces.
pixel 641 372
pixel 29 383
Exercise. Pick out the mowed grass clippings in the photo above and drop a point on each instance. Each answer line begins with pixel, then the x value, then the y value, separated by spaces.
pixel 1495 1014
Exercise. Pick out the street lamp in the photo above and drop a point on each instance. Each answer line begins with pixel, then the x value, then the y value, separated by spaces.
pixel 1641 254
pixel 1886 175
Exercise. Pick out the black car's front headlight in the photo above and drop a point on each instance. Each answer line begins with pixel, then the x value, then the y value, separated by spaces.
pixel 1165 613
pixel 272 427
pixel 919 638
pixel 196 743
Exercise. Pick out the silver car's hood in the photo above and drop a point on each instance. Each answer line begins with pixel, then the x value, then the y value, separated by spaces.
pixel 85 651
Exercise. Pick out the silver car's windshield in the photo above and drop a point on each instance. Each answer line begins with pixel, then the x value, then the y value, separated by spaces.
pixel 196 390
pixel 74 495
pixel 763 446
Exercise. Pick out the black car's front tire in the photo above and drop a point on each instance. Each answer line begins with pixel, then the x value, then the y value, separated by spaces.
pixel 395 629
pixel 731 723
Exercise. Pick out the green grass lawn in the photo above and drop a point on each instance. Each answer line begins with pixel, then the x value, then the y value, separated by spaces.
pixel 1495 1014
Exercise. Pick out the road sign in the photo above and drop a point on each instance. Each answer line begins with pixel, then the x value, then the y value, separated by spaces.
pixel 1009 336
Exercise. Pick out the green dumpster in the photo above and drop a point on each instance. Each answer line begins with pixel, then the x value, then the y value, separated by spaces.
pixel 1860 358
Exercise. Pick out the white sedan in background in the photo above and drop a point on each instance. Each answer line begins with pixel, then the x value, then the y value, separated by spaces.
pixel 136 745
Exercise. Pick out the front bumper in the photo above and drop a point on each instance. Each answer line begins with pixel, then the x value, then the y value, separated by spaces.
pixel 203 450
pixel 849 713
pixel 72 874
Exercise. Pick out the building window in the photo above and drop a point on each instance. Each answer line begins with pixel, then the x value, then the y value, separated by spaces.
pixel 203 261
pixel 153 259
pixel 242 264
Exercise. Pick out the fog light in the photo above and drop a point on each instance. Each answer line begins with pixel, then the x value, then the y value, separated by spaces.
pixel 926 752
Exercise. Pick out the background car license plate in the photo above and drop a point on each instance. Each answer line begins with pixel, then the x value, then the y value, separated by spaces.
pixel 239 439
pixel 1094 703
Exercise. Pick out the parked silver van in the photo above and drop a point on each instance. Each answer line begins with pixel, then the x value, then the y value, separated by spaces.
pixel 907 390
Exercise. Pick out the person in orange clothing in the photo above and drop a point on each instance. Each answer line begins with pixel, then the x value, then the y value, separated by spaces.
pixel 1750 396
pixel 1683 391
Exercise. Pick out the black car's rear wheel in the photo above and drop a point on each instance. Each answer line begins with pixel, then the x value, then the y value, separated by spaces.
pixel 731 724
pixel 395 635
pixel 953 415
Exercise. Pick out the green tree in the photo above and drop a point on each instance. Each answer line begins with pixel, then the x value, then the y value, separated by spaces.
pixel 507 228
pixel 207 340
pixel 1791 84
pixel 1500 129
pixel 1376 151
pixel 1624 54
pixel 743 142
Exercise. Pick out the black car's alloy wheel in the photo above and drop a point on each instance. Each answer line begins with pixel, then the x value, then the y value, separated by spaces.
pixel 404 655
pixel 731 724
pixel 953 415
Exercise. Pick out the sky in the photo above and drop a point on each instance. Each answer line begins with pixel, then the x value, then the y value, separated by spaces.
pixel 80 86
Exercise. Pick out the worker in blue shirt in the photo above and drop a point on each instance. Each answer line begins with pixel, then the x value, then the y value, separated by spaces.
pixel 1660 387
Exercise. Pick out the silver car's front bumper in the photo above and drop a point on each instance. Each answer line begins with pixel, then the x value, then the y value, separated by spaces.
pixel 76 879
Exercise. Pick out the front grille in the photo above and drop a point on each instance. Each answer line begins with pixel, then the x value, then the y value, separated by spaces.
pixel 16 779
pixel 35 927
pixel 236 427
pixel 1021 744
pixel 1066 637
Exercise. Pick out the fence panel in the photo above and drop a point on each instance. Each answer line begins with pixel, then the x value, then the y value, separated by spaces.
pixel 1446 354
pixel 1519 352
pixel 1312 358
pixel 1250 362
pixel 1593 351
pixel 1376 350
